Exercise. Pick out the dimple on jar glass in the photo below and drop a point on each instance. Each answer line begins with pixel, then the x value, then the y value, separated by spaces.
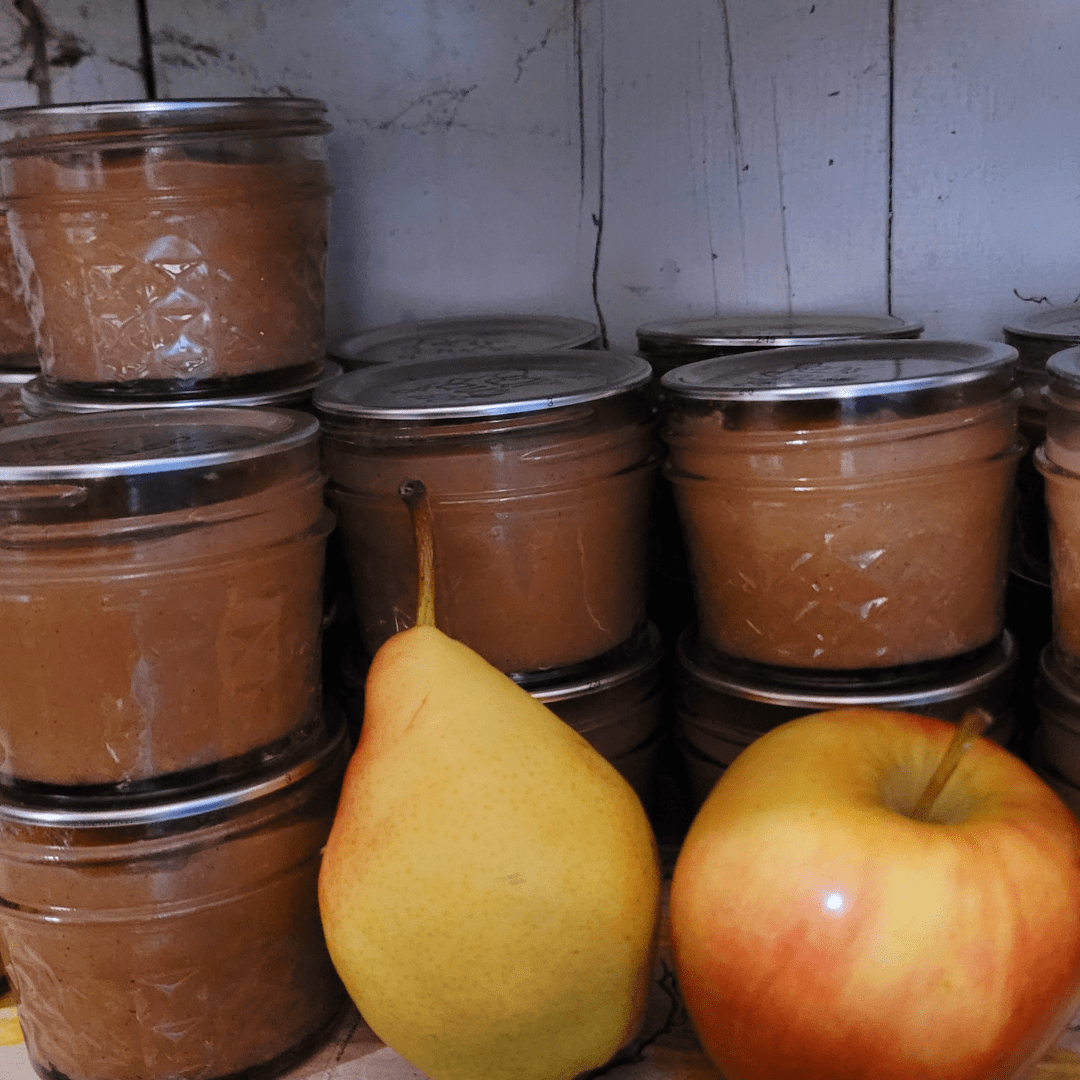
pixel 162 938
pixel 160 592
pixel 1058 460
pixel 171 246
pixel 538 469
pixel 846 506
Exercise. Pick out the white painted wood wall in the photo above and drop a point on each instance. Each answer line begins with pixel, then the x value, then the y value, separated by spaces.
pixel 627 160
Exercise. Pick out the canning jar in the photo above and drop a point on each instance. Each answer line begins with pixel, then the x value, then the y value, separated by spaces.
pixel 12 385
pixel 1058 460
pixel 157 938
pixel 171 246
pixel 160 591
pixel 846 506
pixel 429 339
pixel 668 343
pixel 538 468
pixel 721 705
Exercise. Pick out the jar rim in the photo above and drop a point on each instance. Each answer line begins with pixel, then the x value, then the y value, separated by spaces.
pixel 909 687
pixel 771 329
pixel 481 386
pixel 938 375
pixel 31 128
pixel 320 746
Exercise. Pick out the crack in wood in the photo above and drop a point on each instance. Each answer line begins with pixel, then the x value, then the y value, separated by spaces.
pixel 35 40
pixel 780 193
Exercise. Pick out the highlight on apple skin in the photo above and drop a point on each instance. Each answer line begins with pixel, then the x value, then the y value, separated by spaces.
pixel 820 933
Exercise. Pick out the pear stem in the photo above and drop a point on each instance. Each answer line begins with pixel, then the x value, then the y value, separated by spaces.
pixel 971 726
pixel 415 496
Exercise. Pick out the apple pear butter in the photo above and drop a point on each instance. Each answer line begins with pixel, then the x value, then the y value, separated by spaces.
pixel 160 592
pixel 846 506
pixel 179 936
pixel 539 470
pixel 171 246
pixel 18 350
pixel 1058 460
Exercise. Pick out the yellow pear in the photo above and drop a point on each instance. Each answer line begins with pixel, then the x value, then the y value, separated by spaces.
pixel 490 889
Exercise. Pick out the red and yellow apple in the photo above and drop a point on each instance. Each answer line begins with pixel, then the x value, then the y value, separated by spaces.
pixel 819 932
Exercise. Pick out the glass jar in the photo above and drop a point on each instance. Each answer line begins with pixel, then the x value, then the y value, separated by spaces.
pixel 1057 698
pixel 538 468
pixel 1058 460
pixel 171 246
pixel 158 938
pixel 669 343
pixel 430 339
pixel 721 705
pixel 1036 338
pixel 160 591
pixel 846 506
pixel 18 350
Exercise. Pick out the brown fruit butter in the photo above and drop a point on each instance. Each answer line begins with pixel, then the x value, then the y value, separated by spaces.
pixel 157 939
pixel 160 591
pixel 538 469
pixel 18 350
pixel 1058 460
pixel 850 506
pixel 171 246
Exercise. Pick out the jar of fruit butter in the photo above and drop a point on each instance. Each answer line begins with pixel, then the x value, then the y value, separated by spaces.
pixel 171 246
pixel 538 469
pixel 1058 460
pixel 846 506
pixel 174 935
pixel 161 577
pixel 721 704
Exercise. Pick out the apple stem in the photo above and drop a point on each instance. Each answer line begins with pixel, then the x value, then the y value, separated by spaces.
pixel 416 499
pixel 971 726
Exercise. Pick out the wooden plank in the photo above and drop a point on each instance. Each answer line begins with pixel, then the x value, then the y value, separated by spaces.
pixel 748 167
pixel 454 150
pixel 479 152
pixel 987 162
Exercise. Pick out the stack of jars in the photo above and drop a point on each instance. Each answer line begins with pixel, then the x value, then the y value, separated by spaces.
pixel 846 512
pixel 1058 684
pixel 539 469
pixel 168 769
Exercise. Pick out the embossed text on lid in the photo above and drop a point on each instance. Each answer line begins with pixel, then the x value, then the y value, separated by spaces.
pixel 780 329
pixel 146 441
pixel 843 370
pixel 481 386
pixel 430 338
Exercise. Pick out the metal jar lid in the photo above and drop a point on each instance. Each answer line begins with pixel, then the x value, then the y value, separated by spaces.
pixel 1060 324
pixel 1055 689
pixel 481 387
pixel 767 330
pixel 41 399
pixel 640 656
pixel 322 745
pixel 124 464
pixel 905 377
pixel 1063 374
pixel 911 688
pixel 431 338
pixel 32 129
